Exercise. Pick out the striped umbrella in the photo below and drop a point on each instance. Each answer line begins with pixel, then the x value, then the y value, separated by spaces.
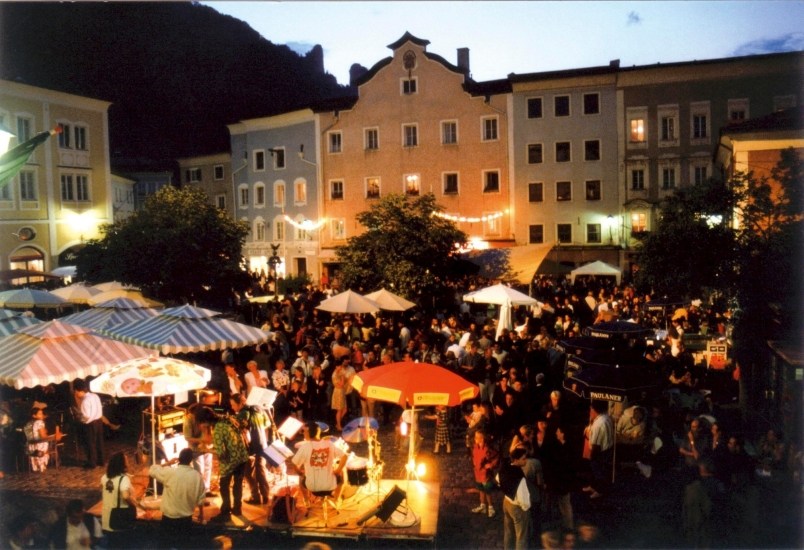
pixel 12 321
pixel 55 352
pixel 108 314
pixel 187 329
pixel 26 298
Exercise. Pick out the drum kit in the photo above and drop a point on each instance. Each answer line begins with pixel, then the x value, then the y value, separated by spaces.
pixel 362 471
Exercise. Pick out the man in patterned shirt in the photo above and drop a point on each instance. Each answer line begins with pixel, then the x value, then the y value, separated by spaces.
pixel 228 445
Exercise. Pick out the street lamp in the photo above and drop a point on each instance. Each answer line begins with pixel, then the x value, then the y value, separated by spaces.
pixel 273 261
pixel 610 220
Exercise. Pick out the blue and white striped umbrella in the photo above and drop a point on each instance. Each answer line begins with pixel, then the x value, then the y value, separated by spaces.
pixel 12 321
pixel 109 314
pixel 187 329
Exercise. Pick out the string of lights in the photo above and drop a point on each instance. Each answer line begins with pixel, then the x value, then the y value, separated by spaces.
pixel 468 219
pixel 307 225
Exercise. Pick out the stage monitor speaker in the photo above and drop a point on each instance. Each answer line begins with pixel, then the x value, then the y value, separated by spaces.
pixel 390 503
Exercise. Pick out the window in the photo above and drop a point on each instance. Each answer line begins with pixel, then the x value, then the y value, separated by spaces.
pixel 593 190
pixel 564 233
pixel 279 193
pixel 738 110
pixel 412 184
pixel 259 161
pixel 24 129
pixel 489 128
pixel 220 201
pixel 27 185
pixel 561 105
pixel 300 192
pixel 410 135
pixel 243 195
pixel 259 230
pixel 279 158
pixel 535 234
pixel 259 194
pixel 535 153
pixel 217 172
pixel 335 142
pixel 279 230
pixel 668 177
pixel 668 128
pixel 451 183
pixel 536 192
pixel 192 175
pixel 449 132
pixel 593 233
pixel 535 107
pixel 5 193
pixel 81 138
pixel 700 122
pixel 591 149
pixel 563 191
pixel 336 190
pixel 491 181
pixel 371 136
pixel 373 188
pixel 74 187
pixel 638 179
pixel 65 137
pixel 302 234
pixel 637 128
pixel 409 86
pixel 591 104
pixel 338 228
pixel 699 174
pixel 563 151
pixel 639 222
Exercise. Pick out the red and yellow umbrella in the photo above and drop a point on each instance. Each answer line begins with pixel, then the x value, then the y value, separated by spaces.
pixel 414 384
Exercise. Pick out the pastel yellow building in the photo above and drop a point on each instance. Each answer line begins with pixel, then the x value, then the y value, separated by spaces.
pixel 64 191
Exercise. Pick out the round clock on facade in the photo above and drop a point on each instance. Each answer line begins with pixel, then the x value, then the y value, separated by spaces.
pixel 26 234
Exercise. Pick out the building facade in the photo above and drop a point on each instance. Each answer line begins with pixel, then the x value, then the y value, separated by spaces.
pixel 64 192
pixel 213 175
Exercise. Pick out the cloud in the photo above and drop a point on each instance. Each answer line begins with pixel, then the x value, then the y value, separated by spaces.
pixel 634 18
pixel 790 42
pixel 300 48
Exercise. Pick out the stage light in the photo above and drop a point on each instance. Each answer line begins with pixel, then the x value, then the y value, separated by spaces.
pixel 403 429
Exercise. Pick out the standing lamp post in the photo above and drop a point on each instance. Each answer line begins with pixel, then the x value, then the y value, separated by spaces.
pixel 610 220
pixel 273 261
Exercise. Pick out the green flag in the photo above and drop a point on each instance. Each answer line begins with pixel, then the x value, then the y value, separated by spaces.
pixel 13 160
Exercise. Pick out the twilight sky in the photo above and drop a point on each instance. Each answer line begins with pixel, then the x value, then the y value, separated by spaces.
pixel 528 36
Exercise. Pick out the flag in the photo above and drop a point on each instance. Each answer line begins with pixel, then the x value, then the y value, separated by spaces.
pixel 13 160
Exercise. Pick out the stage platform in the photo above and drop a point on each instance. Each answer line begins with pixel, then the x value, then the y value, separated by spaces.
pixel 393 509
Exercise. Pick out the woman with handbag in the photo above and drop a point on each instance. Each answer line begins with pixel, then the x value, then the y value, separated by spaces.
pixel 119 506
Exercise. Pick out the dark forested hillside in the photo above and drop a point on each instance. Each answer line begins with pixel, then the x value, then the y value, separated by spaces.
pixel 176 73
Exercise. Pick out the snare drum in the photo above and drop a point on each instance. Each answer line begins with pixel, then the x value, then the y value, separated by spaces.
pixel 357 471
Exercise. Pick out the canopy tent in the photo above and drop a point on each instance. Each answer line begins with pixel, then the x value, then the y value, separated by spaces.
pixel 55 352
pixel 504 296
pixel 597 268
pixel 187 329
pixel 389 301
pixel 525 261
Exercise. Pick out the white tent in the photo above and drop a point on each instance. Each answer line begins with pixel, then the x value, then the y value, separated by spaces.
pixel 596 268
pixel 503 296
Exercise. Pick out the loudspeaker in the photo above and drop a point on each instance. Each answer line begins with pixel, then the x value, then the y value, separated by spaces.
pixel 387 507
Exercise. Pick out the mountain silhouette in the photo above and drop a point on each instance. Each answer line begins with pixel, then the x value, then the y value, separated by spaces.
pixel 176 73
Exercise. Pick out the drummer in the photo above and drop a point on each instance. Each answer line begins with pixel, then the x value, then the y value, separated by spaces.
pixel 315 459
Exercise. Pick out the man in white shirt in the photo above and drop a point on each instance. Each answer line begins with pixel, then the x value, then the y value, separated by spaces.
pixel 89 412
pixel 315 458
pixel 516 501
pixel 304 362
pixel 184 491
pixel 601 441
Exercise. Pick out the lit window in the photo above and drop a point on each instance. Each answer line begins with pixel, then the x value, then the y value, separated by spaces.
pixel 338 227
pixel 373 188
pixel 300 192
pixel 279 194
pixel 593 190
pixel 637 130
pixel 412 184
pixel 639 222
pixel 279 230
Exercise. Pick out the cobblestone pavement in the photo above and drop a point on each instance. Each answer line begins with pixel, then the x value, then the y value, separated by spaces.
pixel 639 513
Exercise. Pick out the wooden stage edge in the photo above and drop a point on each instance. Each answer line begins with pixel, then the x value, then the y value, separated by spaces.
pixel 356 515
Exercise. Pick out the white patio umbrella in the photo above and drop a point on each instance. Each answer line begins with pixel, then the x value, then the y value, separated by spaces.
pixel 55 352
pixel 26 298
pixel 77 293
pixel 114 285
pixel 133 294
pixel 349 302
pixel 187 329
pixel 504 296
pixel 65 271
pixel 389 301
pixel 151 377
pixel 108 314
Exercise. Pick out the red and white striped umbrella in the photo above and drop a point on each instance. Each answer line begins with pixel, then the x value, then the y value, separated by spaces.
pixel 55 352
pixel 187 329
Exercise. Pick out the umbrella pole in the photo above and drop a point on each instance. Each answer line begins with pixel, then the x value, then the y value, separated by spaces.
pixel 153 436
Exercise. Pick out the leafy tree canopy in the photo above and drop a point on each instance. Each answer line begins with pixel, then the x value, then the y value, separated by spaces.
pixel 179 248
pixel 405 248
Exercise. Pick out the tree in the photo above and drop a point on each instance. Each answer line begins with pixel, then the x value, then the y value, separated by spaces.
pixel 405 248
pixel 179 247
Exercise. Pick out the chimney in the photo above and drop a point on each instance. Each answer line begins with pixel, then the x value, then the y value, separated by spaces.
pixel 463 59
pixel 614 63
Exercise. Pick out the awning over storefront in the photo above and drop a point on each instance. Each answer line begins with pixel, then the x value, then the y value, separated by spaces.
pixel 526 259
